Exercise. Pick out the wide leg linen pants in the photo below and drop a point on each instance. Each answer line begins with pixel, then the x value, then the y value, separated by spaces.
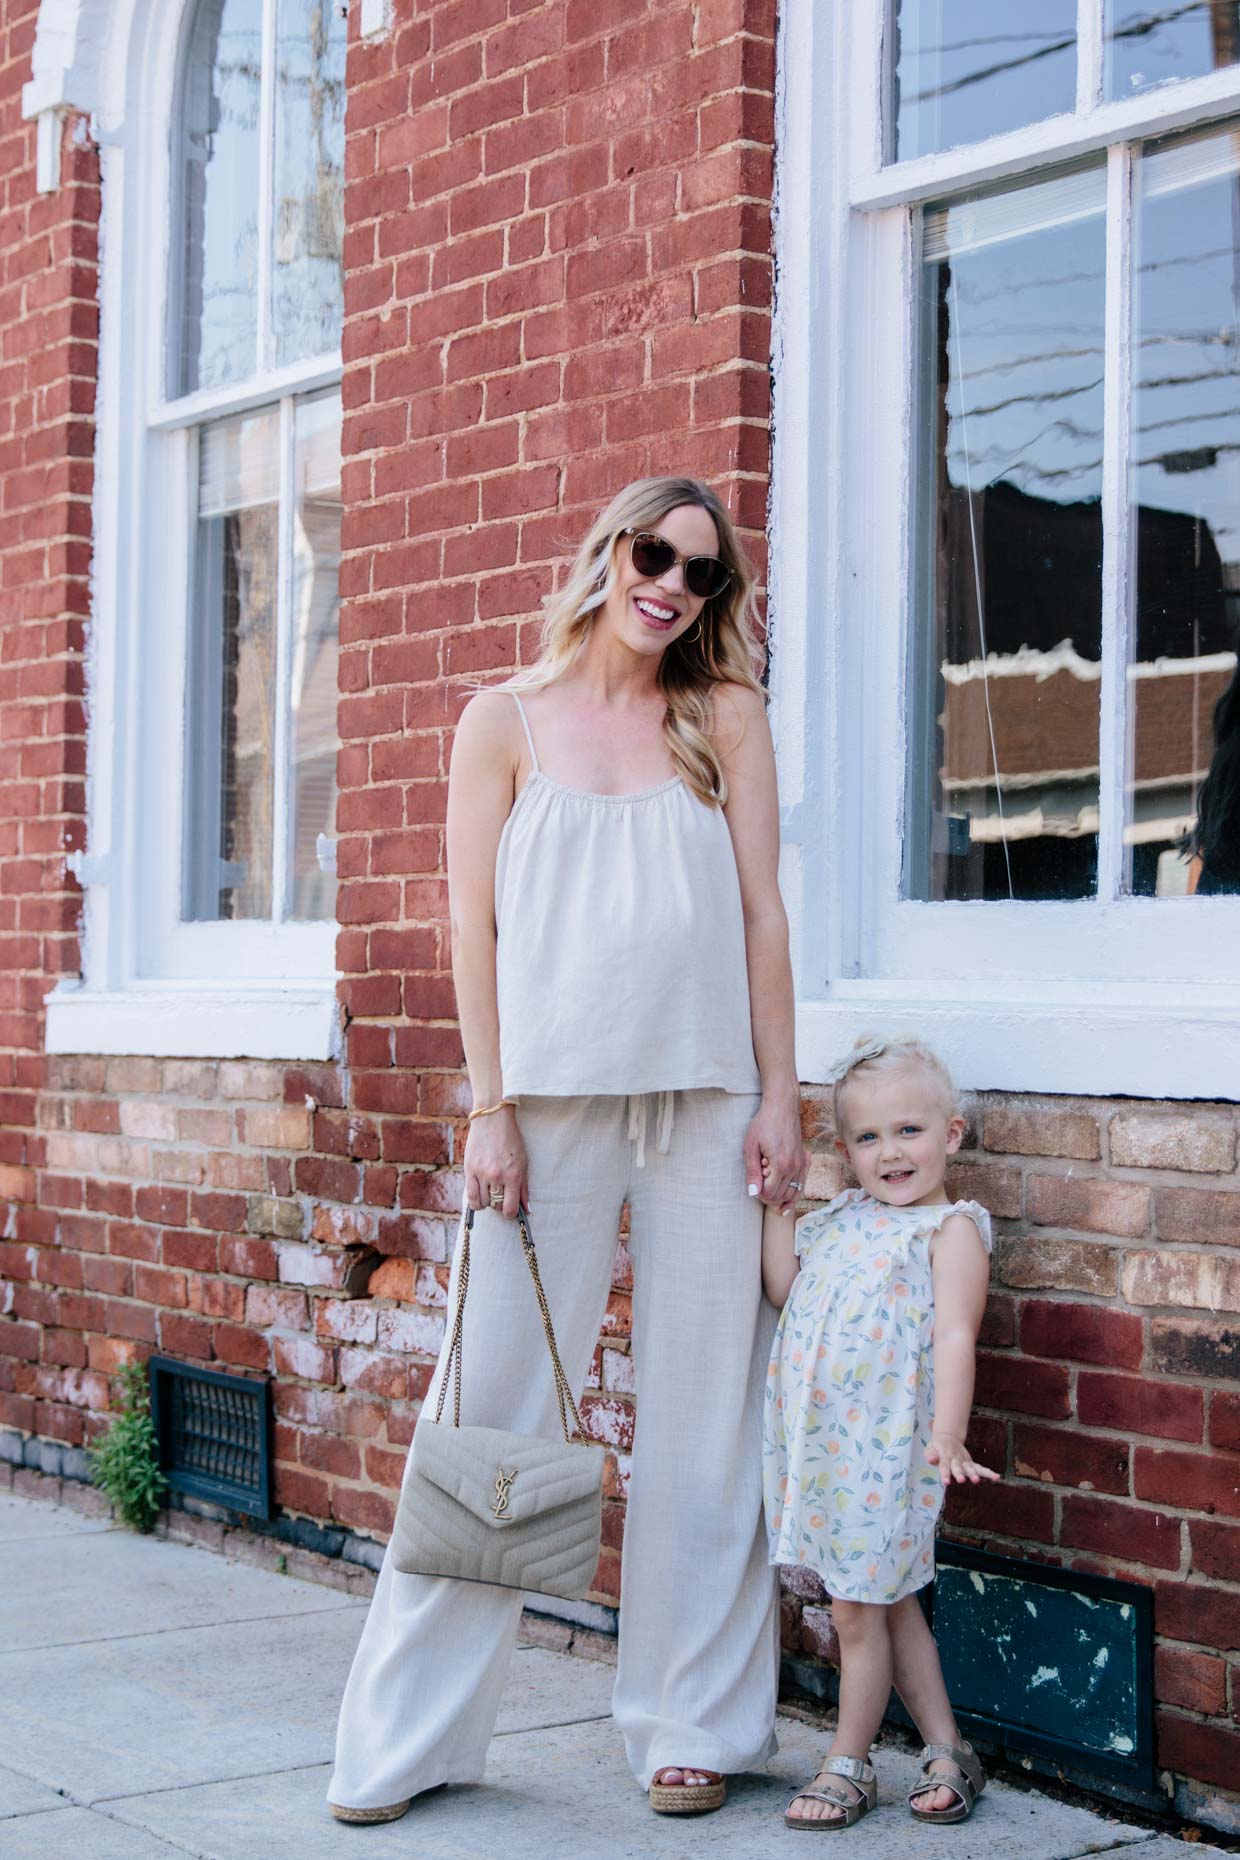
pixel 698 1656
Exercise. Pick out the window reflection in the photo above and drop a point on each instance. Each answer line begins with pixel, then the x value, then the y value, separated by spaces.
pixel 967 69
pixel 307 293
pixel 1003 778
pixel 1148 44
pixel 220 118
pixel 231 771
pixel 313 691
pixel 1185 483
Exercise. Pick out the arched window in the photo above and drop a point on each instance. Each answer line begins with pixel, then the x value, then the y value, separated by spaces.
pixel 259 146
pixel 217 537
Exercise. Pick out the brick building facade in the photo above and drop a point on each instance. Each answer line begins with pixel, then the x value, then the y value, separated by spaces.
pixel 557 276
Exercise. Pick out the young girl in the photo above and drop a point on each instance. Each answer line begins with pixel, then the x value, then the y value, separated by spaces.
pixel 867 1402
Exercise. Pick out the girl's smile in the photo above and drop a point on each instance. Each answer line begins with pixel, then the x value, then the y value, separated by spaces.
pixel 898 1136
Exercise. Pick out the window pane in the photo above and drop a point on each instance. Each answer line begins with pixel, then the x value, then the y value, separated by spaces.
pixel 1186 496
pixel 1149 43
pixel 967 69
pixel 1003 725
pixel 220 148
pixel 314 654
pixel 232 667
pixel 308 221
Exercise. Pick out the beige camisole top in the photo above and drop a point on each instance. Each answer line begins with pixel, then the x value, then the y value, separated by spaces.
pixel 620 960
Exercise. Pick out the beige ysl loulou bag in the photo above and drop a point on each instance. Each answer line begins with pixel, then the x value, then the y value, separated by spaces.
pixel 488 1506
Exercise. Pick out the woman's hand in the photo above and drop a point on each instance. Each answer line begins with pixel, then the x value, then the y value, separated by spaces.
pixel 954 1461
pixel 775 1156
pixel 495 1163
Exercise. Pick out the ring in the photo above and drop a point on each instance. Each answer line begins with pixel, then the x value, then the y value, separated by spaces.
pixel 497 1197
pixel 794 1185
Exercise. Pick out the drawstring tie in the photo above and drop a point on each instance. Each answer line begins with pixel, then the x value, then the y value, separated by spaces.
pixel 637 1123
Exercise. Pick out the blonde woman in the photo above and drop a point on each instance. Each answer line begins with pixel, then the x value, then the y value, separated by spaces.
pixel 620 955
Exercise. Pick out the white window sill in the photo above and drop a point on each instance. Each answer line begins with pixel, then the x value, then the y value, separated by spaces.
pixel 162 1021
pixel 1141 1040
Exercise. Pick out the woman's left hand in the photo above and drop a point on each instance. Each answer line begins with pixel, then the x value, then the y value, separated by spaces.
pixel 775 1158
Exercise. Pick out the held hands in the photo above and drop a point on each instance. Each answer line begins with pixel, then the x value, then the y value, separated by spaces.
pixel 495 1164
pixel 775 1158
pixel 954 1461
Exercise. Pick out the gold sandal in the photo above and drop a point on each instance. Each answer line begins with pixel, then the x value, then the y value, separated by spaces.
pixel 687 1798
pixel 367 1817
pixel 855 1808
pixel 966 1785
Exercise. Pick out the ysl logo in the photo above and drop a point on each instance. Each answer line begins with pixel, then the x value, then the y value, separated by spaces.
pixel 502 1482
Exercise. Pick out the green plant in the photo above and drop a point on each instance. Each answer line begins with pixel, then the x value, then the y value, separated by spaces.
pixel 125 1463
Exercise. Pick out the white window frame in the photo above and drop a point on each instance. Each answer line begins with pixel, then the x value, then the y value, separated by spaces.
pixel 1036 997
pixel 152 984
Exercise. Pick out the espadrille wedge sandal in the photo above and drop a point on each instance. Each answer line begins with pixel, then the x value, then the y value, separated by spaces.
pixel 367 1817
pixel 687 1798
pixel 965 1779
pixel 854 1807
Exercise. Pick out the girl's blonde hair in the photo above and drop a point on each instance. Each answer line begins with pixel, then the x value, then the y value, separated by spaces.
pixel 725 651
pixel 872 1054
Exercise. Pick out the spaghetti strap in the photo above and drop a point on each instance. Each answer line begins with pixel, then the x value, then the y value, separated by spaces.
pixel 529 737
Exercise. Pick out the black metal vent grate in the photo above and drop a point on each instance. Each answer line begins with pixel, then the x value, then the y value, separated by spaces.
pixel 1050 1661
pixel 214 1434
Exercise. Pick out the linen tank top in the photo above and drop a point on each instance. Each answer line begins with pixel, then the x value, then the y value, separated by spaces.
pixel 620 960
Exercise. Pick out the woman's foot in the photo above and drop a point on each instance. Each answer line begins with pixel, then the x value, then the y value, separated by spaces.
pixel 367 1817
pixel 677 1790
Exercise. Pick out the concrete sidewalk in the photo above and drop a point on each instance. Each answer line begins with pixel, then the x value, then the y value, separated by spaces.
pixel 158 1701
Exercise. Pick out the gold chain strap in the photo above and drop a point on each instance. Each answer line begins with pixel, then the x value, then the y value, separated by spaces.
pixel 452 1367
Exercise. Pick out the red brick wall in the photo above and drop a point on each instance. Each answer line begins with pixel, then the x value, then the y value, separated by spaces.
pixel 558 277
pixel 545 215
pixel 48 354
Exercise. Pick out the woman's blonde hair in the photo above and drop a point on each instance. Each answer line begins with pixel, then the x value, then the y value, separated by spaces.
pixel 902 1053
pixel 725 651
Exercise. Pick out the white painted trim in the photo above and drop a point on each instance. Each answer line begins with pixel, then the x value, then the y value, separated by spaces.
pixel 207 1022
pixel 217 403
pixel 49 128
pixel 1129 1043
pixel 68 52
pixel 376 18
pixel 1090 55
pixel 1180 104
pixel 1117 526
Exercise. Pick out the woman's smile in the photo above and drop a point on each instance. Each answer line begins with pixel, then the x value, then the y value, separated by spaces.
pixel 656 613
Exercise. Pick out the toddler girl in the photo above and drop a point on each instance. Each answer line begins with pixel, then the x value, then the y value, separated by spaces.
pixel 867 1401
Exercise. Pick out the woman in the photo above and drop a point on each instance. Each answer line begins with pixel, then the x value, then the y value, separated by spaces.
pixel 620 955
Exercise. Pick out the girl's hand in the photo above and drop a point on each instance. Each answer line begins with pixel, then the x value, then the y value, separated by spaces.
pixel 495 1162
pixel 954 1461
pixel 775 1157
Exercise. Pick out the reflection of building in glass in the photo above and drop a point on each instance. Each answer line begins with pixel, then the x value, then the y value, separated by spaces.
pixel 1031 706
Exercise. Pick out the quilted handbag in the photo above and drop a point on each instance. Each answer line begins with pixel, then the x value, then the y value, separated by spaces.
pixel 486 1505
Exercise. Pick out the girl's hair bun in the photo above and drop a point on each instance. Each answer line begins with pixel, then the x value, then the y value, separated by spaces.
pixel 872 1053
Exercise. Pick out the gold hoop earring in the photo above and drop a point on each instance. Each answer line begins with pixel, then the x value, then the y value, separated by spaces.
pixel 692 639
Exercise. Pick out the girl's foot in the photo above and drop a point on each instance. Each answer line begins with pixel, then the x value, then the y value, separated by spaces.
pixel 933 1801
pixel 844 1790
pixel 963 1776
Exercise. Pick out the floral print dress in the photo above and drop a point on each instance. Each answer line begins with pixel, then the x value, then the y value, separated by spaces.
pixel 849 1399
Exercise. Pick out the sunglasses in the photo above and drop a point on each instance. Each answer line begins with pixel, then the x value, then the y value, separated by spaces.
pixel 652 556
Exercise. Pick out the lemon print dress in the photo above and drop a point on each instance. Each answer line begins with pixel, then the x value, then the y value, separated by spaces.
pixel 849 1399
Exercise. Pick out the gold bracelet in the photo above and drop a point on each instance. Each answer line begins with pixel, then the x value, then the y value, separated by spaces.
pixel 485 1110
